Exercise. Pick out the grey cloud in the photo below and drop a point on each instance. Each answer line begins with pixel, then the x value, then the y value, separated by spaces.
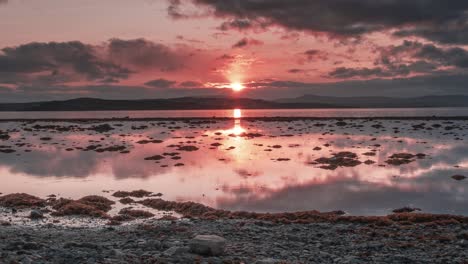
pixel 142 53
pixel 161 83
pixel 247 42
pixel 62 62
pixel 190 84
pixel 54 57
pixel 336 17
pixel 449 32
pixel 345 73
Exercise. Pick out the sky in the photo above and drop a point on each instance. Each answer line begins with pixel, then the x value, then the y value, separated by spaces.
pixel 266 49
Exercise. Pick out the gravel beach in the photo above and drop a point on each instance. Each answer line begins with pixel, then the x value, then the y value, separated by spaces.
pixel 247 241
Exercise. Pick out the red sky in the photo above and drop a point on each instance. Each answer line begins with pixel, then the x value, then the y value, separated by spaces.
pixel 166 48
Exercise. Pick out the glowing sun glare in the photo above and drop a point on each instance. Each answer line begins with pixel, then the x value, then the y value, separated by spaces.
pixel 237 113
pixel 237 86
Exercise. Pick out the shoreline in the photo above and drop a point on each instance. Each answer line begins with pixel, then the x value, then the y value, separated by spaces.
pixel 302 237
pixel 266 119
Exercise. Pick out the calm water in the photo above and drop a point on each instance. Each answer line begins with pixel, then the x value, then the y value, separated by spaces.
pixel 271 172
pixel 378 112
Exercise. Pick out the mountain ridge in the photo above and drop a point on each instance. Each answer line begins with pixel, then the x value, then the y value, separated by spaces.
pixel 209 103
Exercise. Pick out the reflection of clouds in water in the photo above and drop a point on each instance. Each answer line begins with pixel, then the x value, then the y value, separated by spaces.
pixel 53 163
pixel 432 193
pixel 250 178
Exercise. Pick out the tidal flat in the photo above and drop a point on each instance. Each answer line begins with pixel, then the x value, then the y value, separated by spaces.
pixel 344 190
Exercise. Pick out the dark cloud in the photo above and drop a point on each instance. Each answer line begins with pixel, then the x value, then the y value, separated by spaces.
pixel 59 60
pixel 247 42
pixel 191 84
pixel 336 17
pixel 314 54
pixel 296 71
pixel 438 56
pixel 161 83
pixel 391 70
pixel 74 61
pixel 240 24
pixel 226 57
pixel 3 1
pixel 453 31
pixel 142 53
pixel 409 57
pixel 345 73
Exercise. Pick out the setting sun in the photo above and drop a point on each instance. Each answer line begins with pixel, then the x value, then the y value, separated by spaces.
pixel 237 86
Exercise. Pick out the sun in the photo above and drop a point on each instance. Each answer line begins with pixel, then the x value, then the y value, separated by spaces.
pixel 236 86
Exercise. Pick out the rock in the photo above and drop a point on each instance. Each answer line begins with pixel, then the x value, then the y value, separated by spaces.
pixel 36 214
pixel 458 177
pixel 406 209
pixel 208 245
pixel 176 251
pixel 268 261
pixel 188 148
pixel 21 200
pixel 5 223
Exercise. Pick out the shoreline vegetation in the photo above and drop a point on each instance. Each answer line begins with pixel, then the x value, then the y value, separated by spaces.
pixel 206 235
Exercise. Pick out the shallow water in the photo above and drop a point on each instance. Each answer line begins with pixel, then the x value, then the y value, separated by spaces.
pixel 342 112
pixel 271 172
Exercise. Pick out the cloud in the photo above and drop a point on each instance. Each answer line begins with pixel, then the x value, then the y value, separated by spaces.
pixel 247 42
pixel 411 57
pixel 314 54
pixel 439 56
pixel 141 53
pixel 334 17
pixel 161 83
pixel 296 71
pixel 191 84
pixel 345 73
pixel 454 31
pixel 3 2
pixel 75 61
pixel 60 61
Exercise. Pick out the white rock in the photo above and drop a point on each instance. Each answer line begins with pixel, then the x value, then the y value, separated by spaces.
pixel 208 245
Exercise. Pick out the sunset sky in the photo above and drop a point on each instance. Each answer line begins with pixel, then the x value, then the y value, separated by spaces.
pixel 269 49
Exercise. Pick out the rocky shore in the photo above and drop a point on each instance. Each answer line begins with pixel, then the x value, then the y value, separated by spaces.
pixel 245 241
pixel 206 235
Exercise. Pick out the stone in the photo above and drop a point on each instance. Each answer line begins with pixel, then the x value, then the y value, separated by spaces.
pixel 36 214
pixel 208 245
pixel 268 261
pixel 458 177
pixel 173 251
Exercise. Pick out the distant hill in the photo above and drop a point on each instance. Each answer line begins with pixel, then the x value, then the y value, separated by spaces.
pixel 194 103
pixel 184 103
pixel 382 102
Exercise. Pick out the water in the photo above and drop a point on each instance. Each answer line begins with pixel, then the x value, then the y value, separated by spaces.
pixel 377 112
pixel 271 172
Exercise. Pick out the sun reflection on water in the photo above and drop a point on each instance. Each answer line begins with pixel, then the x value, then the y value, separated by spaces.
pixel 237 113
